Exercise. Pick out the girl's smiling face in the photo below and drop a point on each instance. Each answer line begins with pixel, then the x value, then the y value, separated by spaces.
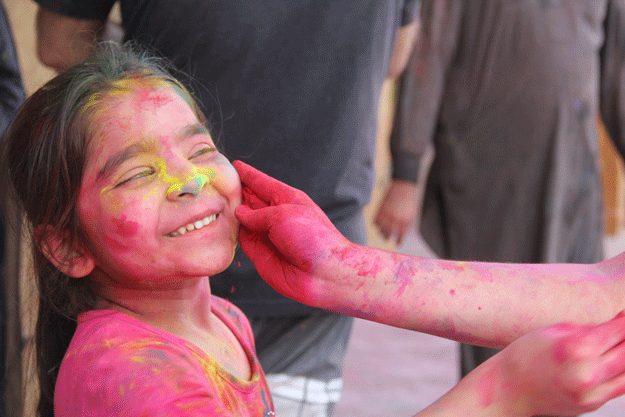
pixel 157 199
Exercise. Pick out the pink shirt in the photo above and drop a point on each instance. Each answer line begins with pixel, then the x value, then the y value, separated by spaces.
pixel 119 366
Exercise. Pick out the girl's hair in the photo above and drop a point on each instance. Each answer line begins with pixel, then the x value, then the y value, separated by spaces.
pixel 44 153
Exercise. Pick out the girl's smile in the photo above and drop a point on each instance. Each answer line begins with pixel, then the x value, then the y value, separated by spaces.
pixel 198 224
pixel 157 200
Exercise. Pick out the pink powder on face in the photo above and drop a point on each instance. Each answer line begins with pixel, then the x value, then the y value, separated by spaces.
pixel 114 245
pixel 152 98
pixel 126 228
pixel 147 93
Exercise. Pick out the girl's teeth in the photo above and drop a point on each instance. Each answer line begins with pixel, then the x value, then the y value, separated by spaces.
pixel 196 225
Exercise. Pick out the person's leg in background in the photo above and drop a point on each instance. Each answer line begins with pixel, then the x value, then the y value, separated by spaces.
pixel 303 360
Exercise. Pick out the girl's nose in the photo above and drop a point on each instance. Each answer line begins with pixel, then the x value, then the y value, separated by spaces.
pixel 191 185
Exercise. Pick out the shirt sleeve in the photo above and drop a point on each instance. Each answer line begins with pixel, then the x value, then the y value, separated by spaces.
pixel 141 378
pixel 612 92
pixel 422 85
pixel 80 9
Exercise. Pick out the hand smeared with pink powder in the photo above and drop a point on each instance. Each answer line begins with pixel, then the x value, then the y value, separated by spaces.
pixel 286 235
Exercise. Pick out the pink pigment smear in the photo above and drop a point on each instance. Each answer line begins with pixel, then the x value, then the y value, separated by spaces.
pixel 403 276
pixel 486 389
pixel 484 272
pixel 148 96
pixel 114 245
pixel 367 271
pixel 126 228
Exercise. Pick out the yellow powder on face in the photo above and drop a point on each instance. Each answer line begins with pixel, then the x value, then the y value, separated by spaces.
pixel 149 194
pixel 201 175
pixel 113 206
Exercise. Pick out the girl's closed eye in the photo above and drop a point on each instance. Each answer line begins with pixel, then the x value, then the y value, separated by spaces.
pixel 135 174
pixel 202 149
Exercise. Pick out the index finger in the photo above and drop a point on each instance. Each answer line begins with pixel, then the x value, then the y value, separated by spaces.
pixel 267 188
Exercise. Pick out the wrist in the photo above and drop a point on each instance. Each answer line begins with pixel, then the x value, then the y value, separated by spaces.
pixel 499 389
pixel 485 392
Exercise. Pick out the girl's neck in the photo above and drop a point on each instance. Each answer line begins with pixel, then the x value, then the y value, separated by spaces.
pixel 168 309
pixel 184 312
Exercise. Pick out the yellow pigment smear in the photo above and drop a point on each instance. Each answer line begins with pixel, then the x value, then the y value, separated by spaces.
pixel 200 175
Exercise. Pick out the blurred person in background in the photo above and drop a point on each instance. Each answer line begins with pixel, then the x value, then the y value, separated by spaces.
pixel 508 94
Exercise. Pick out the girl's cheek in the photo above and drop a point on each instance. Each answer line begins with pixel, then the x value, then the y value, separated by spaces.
pixel 125 227
pixel 121 215
pixel 226 179
pixel 110 204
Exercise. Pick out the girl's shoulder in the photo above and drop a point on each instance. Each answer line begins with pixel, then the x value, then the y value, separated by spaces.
pixel 109 336
pixel 117 360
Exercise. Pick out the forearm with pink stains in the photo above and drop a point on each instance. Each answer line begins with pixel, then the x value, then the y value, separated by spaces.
pixel 297 250
pixel 487 304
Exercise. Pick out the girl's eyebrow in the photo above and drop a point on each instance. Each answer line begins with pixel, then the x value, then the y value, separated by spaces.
pixel 120 157
pixel 194 129
pixel 138 148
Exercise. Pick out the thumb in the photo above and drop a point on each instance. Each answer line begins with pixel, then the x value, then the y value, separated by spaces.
pixel 255 220
pixel 266 188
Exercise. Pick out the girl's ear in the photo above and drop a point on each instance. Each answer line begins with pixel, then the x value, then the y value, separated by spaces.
pixel 72 260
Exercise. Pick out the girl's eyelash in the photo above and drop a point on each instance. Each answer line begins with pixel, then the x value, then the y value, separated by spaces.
pixel 141 174
pixel 202 151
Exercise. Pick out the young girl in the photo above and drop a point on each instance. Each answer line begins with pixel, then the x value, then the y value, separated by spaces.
pixel 131 209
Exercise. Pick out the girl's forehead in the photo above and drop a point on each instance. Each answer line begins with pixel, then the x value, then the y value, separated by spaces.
pixel 129 98
pixel 140 91
pixel 138 110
